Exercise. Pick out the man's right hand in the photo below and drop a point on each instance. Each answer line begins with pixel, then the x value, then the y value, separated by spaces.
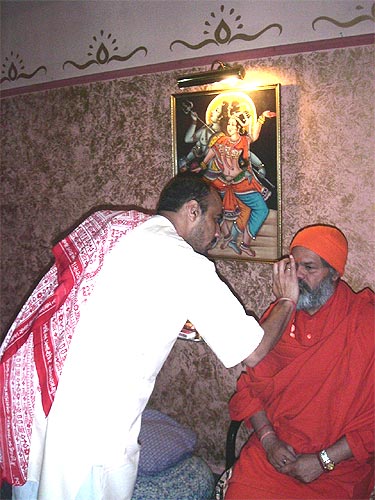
pixel 285 286
pixel 285 282
pixel 278 452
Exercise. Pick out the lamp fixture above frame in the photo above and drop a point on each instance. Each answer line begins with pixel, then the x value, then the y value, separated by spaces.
pixel 222 72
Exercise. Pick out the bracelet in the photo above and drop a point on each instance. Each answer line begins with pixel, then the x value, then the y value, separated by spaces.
pixel 261 119
pixel 266 434
pixel 263 426
pixel 286 298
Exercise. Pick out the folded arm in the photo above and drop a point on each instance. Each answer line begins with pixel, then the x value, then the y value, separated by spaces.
pixel 306 468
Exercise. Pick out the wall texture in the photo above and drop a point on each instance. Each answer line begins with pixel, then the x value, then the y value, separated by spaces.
pixel 69 150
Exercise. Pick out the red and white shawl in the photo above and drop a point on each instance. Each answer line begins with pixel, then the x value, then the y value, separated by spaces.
pixel 41 334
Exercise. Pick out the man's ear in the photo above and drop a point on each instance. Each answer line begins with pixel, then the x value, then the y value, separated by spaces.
pixel 193 210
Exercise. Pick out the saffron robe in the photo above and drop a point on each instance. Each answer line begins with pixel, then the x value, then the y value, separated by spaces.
pixel 316 386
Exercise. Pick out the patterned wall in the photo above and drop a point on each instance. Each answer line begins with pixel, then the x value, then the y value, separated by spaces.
pixel 68 150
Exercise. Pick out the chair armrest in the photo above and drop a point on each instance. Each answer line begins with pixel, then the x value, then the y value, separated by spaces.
pixel 230 450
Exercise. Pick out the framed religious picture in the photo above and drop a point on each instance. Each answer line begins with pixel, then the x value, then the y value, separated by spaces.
pixel 232 139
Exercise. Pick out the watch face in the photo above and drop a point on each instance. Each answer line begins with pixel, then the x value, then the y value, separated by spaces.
pixel 326 462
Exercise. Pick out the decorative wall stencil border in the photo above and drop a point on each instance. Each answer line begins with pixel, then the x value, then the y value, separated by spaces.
pixel 14 67
pixel 296 48
pixel 102 54
pixel 348 24
pixel 223 33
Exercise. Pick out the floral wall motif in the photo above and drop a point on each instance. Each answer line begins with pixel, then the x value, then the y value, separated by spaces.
pixel 66 151
pixel 103 50
pixel 13 69
pixel 219 32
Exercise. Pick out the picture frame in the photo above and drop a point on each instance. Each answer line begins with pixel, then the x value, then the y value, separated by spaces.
pixel 231 137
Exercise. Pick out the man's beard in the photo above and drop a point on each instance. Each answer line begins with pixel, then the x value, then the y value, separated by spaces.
pixel 314 299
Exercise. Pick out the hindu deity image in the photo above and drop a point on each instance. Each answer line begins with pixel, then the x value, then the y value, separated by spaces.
pixel 221 152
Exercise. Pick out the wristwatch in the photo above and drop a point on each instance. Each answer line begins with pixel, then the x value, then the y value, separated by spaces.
pixel 325 461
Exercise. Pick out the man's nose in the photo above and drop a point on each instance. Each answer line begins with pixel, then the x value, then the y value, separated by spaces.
pixel 300 271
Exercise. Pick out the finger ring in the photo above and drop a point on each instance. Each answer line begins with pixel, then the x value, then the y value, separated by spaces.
pixel 284 461
pixel 288 269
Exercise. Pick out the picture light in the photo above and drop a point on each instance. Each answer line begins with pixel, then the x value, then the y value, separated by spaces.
pixel 222 72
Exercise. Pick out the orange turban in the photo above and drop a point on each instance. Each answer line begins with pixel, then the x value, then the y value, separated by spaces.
pixel 326 241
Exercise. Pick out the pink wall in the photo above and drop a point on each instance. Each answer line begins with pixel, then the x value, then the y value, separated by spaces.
pixel 67 150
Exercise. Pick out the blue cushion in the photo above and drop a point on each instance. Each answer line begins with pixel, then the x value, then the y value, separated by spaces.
pixel 164 442
pixel 190 479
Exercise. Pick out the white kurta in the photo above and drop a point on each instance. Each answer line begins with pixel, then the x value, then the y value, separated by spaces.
pixel 150 283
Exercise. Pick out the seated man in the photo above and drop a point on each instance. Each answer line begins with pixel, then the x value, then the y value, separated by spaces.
pixel 311 400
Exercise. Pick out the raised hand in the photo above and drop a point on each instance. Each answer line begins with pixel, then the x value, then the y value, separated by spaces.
pixel 285 283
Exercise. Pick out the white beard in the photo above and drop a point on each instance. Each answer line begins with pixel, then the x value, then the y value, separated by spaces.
pixel 314 299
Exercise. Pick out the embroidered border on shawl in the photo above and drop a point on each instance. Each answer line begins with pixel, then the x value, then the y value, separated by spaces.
pixel 43 330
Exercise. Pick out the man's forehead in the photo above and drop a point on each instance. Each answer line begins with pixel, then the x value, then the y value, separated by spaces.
pixel 215 200
pixel 304 254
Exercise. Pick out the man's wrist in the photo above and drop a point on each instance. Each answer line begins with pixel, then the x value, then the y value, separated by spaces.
pixel 286 299
pixel 325 461
pixel 263 428
pixel 267 434
pixel 267 440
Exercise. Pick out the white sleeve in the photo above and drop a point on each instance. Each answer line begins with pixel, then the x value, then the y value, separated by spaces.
pixel 220 318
